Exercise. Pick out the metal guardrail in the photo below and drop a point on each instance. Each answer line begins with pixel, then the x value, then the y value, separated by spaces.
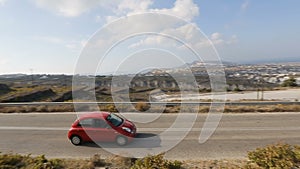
pixel 155 103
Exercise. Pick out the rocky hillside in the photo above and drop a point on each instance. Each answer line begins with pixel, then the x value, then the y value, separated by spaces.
pixel 4 89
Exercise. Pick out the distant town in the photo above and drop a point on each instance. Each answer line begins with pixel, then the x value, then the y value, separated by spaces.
pixel 241 76
pixel 270 73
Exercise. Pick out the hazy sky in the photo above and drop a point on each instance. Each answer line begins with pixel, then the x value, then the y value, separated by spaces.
pixel 48 35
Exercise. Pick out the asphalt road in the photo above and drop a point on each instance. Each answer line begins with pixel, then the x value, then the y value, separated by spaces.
pixel 236 134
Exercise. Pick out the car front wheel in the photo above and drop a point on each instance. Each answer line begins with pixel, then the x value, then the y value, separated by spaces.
pixel 76 140
pixel 121 140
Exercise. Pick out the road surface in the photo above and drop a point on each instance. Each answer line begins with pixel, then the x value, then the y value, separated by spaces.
pixel 41 133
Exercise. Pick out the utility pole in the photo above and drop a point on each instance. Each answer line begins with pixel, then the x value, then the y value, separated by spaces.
pixel 260 89
pixel 262 93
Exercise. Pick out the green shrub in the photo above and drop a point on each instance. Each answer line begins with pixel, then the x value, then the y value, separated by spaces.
pixel 16 161
pixel 56 164
pixel 291 82
pixel 8 161
pixel 276 156
pixel 297 152
pixel 156 162
pixel 97 161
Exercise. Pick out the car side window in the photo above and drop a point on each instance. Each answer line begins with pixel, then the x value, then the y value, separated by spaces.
pixel 86 123
pixel 99 123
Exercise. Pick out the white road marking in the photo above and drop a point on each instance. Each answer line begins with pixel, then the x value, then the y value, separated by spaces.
pixel 162 129
pixel 33 128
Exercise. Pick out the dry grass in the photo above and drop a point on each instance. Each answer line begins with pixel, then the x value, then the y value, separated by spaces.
pixel 17 91
pixel 244 109
pixel 142 106
pixel 119 162
pixel 145 106
pixel 215 164
pixel 61 89
pixel 29 109
pixel 114 162
pixel 272 156
pixel 262 109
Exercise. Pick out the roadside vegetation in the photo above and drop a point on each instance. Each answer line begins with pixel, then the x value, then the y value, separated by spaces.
pixel 143 106
pixel 276 156
pixel 291 82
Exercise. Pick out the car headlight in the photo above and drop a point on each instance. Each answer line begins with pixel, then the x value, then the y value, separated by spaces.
pixel 127 129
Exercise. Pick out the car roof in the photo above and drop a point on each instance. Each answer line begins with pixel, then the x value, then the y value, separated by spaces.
pixel 93 115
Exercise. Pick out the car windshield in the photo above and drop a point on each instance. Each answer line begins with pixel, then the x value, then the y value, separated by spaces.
pixel 114 119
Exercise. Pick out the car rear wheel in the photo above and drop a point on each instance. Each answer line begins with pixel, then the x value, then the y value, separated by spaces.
pixel 76 140
pixel 121 140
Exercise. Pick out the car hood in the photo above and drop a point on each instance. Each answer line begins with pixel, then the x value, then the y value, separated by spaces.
pixel 128 124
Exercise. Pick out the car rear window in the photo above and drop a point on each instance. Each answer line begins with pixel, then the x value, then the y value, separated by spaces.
pixel 86 123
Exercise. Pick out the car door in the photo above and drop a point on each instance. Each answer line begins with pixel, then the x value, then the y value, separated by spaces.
pixel 102 131
pixel 85 129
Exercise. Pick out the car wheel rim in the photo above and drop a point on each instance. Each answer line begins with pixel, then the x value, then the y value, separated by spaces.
pixel 121 140
pixel 76 140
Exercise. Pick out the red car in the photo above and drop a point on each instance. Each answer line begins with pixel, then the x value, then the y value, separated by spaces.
pixel 102 127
